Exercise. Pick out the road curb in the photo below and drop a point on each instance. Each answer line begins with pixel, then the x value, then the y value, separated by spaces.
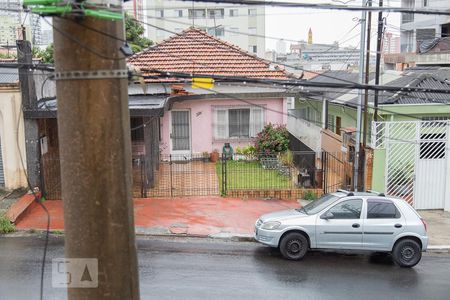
pixel 438 249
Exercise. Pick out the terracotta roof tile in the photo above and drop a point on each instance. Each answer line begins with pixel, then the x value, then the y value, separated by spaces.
pixel 194 51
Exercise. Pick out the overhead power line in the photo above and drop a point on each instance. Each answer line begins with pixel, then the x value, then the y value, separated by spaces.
pixel 300 83
pixel 328 6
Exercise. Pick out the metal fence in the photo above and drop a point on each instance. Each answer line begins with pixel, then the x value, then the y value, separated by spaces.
pixel 236 175
pixel 183 175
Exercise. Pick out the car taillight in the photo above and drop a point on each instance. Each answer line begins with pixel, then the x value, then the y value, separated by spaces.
pixel 424 223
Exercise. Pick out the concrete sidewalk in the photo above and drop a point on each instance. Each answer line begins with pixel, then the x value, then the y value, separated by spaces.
pixel 211 216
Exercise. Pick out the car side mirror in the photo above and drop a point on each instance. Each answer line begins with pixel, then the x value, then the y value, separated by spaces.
pixel 328 215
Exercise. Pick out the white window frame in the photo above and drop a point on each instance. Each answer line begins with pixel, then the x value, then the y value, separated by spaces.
pixel 191 13
pixel 159 13
pixel 234 12
pixel 256 121
pixel 252 12
pixel 214 16
pixel 178 13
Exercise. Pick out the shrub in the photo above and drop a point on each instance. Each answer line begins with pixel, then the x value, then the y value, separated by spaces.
pixel 273 139
pixel 249 150
pixel 309 195
pixel 5 225
pixel 287 158
pixel 238 150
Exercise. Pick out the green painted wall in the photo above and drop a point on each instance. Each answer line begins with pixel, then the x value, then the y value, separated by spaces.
pixel 394 112
pixel 401 112
pixel 379 163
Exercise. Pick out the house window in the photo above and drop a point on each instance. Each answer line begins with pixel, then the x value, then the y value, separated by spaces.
pixel 234 12
pixel 179 13
pixel 216 13
pixel 197 13
pixel 252 11
pixel 216 31
pixel 331 122
pixel 238 123
pixel 425 3
pixel 308 114
pixel 159 13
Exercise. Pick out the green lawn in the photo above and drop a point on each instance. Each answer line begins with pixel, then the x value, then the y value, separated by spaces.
pixel 251 175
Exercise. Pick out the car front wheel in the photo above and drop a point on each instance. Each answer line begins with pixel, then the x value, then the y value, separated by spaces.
pixel 294 246
pixel 407 253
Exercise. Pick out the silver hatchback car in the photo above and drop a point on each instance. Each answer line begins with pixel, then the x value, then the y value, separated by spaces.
pixel 347 220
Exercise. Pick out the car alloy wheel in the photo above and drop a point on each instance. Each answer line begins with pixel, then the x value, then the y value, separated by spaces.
pixel 294 246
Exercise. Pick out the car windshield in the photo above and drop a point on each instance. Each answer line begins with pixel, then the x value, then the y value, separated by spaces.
pixel 316 206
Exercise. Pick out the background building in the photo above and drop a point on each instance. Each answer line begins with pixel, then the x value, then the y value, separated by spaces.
pixel 391 43
pixel 240 25
pixel 416 28
pixel 11 22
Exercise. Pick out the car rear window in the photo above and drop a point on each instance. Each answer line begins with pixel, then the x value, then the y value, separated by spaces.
pixel 382 209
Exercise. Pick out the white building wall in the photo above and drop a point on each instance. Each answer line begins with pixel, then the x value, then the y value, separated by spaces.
pixel 12 137
pixel 243 26
pixel 306 132
pixel 409 24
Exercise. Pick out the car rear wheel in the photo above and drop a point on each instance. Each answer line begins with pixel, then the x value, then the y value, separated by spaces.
pixel 407 253
pixel 294 246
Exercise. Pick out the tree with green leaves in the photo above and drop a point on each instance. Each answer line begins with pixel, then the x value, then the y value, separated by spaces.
pixel 46 55
pixel 134 35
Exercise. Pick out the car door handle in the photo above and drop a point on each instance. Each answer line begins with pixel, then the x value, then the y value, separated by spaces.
pixel 356 225
pixel 398 225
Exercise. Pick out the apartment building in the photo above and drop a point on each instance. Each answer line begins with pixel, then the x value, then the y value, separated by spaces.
pixel 416 28
pixel 240 25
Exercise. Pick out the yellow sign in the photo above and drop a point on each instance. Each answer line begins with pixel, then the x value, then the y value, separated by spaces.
pixel 202 83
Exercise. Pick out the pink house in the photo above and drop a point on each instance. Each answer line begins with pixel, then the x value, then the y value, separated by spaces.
pixel 202 118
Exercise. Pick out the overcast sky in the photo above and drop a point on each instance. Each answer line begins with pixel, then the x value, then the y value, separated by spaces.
pixel 327 26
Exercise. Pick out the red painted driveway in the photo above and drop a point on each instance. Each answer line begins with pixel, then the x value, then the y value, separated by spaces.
pixel 202 216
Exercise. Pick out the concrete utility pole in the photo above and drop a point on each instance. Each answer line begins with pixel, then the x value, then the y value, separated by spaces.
pixel 95 151
pixel 29 103
pixel 378 59
pixel 361 99
pixel 362 156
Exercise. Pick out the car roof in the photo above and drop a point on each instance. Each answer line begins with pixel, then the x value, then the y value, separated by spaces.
pixel 344 194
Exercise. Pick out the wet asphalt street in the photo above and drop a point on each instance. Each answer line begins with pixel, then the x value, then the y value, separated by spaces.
pixel 180 268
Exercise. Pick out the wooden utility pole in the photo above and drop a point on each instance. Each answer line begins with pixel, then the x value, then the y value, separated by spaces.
pixel 95 152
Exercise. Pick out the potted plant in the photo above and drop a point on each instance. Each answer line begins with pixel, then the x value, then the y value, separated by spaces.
pixel 214 156
pixel 238 154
